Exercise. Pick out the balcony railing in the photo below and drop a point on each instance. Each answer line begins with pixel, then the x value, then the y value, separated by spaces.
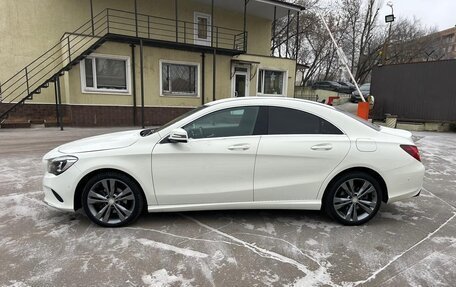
pixel 171 30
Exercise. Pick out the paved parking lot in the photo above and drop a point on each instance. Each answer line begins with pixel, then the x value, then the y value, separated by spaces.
pixel 409 243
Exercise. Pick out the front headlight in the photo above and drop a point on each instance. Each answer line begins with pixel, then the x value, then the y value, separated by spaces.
pixel 60 164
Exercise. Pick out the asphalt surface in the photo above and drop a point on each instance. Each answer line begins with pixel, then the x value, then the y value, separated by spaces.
pixel 409 243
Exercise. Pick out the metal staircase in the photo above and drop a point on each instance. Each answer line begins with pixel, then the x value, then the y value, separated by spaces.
pixel 109 25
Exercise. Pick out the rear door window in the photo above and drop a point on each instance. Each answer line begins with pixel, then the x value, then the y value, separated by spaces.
pixel 291 121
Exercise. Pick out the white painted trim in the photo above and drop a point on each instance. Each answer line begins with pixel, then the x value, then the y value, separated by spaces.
pixel 284 84
pixel 284 5
pixel 196 40
pixel 181 95
pixel 89 90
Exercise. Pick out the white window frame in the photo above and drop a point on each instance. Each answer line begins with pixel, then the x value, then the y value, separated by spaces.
pixel 284 83
pixel 181 95
pixel 94 90
pixel 199 41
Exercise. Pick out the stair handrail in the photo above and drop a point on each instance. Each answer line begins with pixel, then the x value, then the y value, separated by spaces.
pixel 68 51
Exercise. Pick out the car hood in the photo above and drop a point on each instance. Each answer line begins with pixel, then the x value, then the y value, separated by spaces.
pixel 396 132
pixel 101 142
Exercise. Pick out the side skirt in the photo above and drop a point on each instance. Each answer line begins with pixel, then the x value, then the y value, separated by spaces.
pixel 300 205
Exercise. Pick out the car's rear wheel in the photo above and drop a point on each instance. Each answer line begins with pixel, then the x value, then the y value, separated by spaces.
pixel 354 198
pixel 112 199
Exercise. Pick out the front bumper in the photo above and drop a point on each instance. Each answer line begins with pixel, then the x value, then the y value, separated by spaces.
pixel 64 185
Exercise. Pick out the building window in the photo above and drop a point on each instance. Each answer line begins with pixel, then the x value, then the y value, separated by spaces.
pixel 105 74
pixel 271 82
pixel 202 29
pixel 179 79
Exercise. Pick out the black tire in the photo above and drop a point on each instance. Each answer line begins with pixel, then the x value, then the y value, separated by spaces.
pixel 125 203
pixel 338 200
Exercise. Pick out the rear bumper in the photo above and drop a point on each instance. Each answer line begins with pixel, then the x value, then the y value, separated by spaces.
pixel 405 182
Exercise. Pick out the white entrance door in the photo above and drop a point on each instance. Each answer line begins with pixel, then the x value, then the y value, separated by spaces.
pixel 202 29
pixel 240 82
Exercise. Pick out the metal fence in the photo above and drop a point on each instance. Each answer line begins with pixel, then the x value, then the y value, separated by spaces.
pixel 416 92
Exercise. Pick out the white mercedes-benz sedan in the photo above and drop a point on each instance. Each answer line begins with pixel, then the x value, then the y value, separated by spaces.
pixel 249 153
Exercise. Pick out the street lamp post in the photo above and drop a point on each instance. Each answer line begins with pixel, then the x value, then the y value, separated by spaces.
pixel 388 19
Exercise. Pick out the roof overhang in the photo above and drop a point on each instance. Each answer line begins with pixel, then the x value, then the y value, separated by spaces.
pixel 244 62
pixel 259 8
pixel 302 66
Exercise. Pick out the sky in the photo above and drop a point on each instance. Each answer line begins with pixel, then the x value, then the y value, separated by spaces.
pixel 432 13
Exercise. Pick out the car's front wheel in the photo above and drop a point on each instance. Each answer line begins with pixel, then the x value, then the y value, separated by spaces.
pixel 112 199
pixel 354 198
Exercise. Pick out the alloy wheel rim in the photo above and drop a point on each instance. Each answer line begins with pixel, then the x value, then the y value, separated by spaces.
pixel 111 201
pixel 355 199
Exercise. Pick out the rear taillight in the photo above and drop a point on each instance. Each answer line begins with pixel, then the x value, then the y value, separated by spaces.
pixel 412 150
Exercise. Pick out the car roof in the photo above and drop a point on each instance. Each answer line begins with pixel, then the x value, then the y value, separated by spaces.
pixel 268 100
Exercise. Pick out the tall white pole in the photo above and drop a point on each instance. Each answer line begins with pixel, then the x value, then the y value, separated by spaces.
pixel 343 58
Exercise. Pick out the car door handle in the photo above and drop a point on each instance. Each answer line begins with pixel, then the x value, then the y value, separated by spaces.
pixel 322 147
pixel 239 147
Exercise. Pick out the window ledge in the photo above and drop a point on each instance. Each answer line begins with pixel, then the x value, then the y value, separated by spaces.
pixel 187 96
pixel 107 92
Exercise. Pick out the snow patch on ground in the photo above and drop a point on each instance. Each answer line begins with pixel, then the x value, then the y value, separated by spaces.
pixel 172 248
pixel 161 278
pixel 424 273
pixel 248 226
pixel 389 215
pixel 269 228
pixel 406 204
pixel 312 241
pixel 444 239
pixel 15 283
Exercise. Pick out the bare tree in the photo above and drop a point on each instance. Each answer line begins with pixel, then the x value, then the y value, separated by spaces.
pixel 358 30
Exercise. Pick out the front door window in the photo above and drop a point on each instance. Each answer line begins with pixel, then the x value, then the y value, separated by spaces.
pixel 240 83
pixel 234 122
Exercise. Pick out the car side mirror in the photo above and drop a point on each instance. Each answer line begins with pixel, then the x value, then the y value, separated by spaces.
pixel 178 136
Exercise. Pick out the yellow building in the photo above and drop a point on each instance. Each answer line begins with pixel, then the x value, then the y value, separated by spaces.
pixel 140 62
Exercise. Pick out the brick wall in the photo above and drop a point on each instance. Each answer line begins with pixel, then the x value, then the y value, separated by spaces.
pixel 92 116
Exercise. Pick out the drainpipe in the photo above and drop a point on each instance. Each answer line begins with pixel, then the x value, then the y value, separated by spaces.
pixel 57 109
pixel 245 25
pixel 136 18
pixel 133 77
pixel 60 103
pixel 177 21
pixel 214 72
pixel 274 23
pixel 203 76
pixel 141 61
pixel 288 32
pixel 91 17
pixel 212 23
pixel 297 35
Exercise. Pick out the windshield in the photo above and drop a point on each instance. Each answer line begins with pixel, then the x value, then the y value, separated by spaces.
pixel 363 121
pixel 180 118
